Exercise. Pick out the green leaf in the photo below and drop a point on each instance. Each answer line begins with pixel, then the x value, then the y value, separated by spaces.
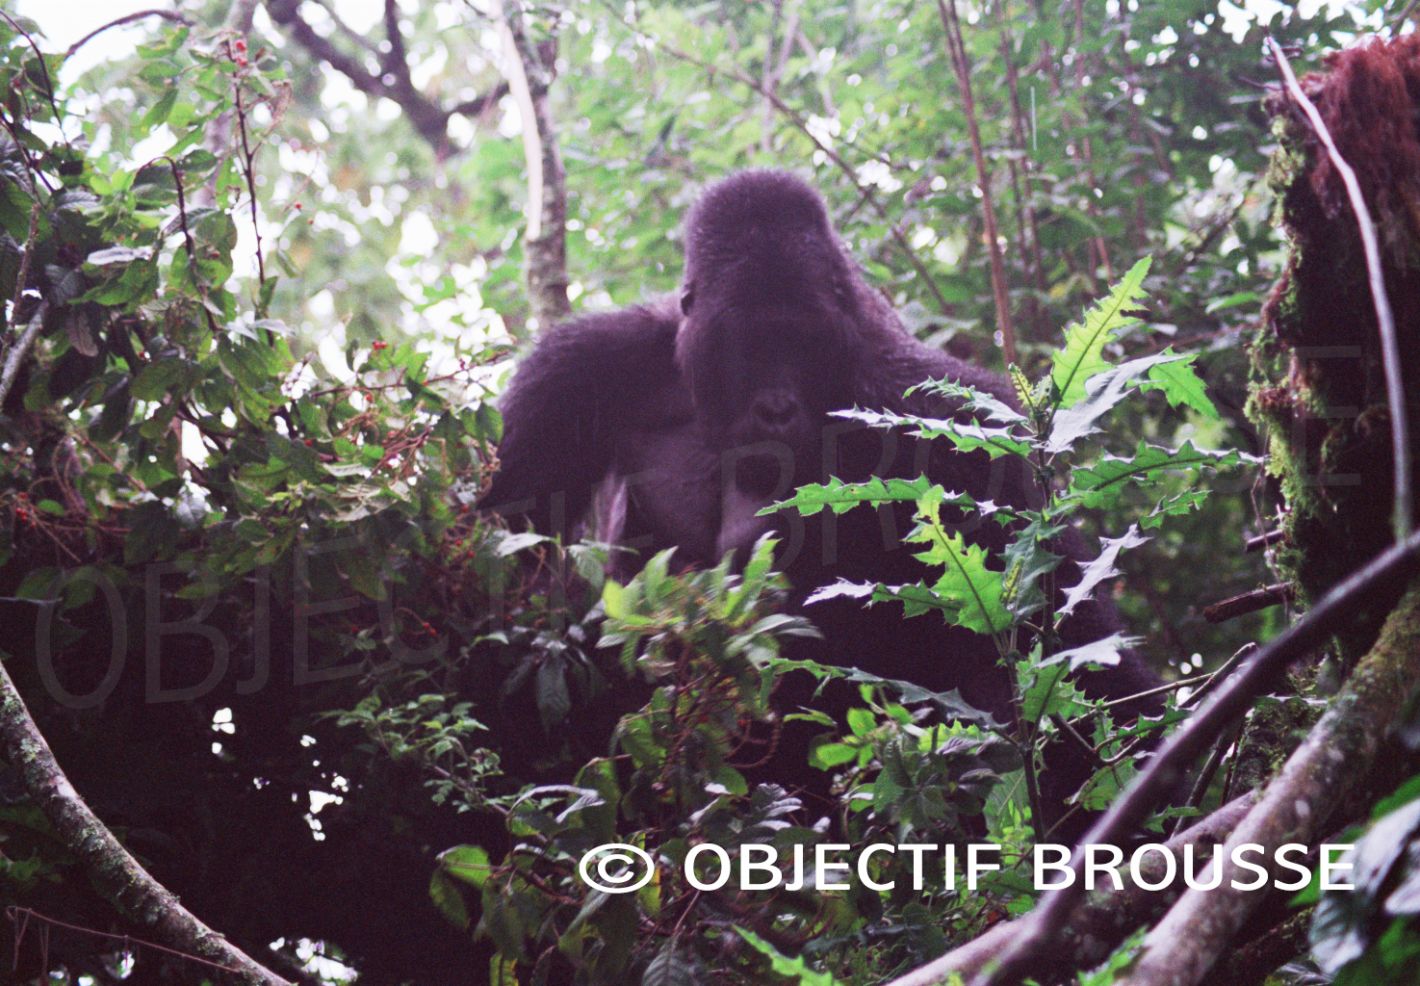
pixel 1181 384
pixel 796 969
pixel 966 435
pixel 1083 354
pixel 1102 483
pixel 466 863
pixel 991 407
pixel 965 580
pixel 841 497
pixel 161 377
pixel 448 899
pixel 1102 392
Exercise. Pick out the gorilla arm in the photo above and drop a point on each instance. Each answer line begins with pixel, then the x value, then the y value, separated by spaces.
pixel 569 408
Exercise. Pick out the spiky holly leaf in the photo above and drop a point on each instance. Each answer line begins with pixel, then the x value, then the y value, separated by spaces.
pixel 1100 569
pixel 840 497
pixel 1102 392
pixel 987 405
pixel 967 436
pixel 1102 483
pixel 1181 384
pixel 1083 354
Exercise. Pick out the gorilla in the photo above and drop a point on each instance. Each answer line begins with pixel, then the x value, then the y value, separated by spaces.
pixel 671 424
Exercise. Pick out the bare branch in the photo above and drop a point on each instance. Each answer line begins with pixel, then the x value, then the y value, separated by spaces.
pixel 546 237
pixel 1034 947
pixel 1105 919
pixel 167 15
pixel 1312 784
pixel 1249 602
pixel 118 876
pixel 427 117
pixel 957 52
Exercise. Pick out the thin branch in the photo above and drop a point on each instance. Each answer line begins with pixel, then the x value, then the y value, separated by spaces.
pixel 1033 948
pixel 19 917
pixel 957 52
pixel 1402 518
pixel 18 350
pixel 167 15
pixel 546 237
pixel 249 172
pixel 793 116
pixel 1249 602
pixel 1181 948
pixel 1264 540
pixel 1105 920
pixel 119 877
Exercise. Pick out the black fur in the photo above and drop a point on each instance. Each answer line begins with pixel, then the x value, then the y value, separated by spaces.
pixel 671 424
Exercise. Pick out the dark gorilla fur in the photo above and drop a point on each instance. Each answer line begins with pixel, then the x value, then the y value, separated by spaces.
pixel 670 425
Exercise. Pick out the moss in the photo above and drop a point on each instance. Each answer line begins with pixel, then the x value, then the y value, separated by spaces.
pixel 1316 385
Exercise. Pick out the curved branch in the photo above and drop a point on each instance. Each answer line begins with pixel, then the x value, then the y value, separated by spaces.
pixel 1101 924
pixel 119 877
pixel 1317 777
pixel 546 238
pixel 1032 949
pixel 167 15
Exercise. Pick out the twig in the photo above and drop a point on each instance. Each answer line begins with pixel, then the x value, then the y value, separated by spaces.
pixel 249 171
pixel 1264 540
pixel 1385 319
pixel 120 878
pixel 44 70
pixel 957 51
pixel 1249 602
pixel 167 15
pixel 1100 925
pixel 19 348
pixel 1042 927
pixel 789 113
pixel 19 917
pixel 192 268
pixel 1337 752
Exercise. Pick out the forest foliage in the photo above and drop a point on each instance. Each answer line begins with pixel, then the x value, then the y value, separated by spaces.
pixel 259 310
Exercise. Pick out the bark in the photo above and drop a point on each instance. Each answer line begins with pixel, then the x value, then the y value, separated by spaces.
pixel 1105 920
pixel 545 241
pixel 118 877
pixel 1296 805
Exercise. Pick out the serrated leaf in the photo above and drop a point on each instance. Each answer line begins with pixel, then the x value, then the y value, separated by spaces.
pixel 990 407
pixel 1102 483
pixel 1181 385
pixel 1083 354
pixel 840 497
pixel 1104 652
pixel 965 582
pixel 967 436
pixel 1100 569
pixel 1101 393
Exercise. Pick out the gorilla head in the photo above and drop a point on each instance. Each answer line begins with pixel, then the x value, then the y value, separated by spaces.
pixel 773 327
